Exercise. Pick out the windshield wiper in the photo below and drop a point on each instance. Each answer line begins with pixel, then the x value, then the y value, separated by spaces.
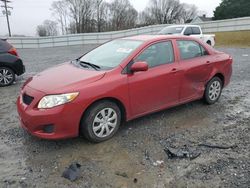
pixel 96 67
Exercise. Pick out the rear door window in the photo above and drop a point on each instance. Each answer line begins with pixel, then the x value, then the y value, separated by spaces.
pixel 190 49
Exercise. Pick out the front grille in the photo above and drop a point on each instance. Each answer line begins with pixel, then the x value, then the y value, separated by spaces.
pixel 27 99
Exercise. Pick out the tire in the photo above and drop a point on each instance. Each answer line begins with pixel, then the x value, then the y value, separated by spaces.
pixel 95 123
pixel 213 90
pixel 7 76
pixel 209 43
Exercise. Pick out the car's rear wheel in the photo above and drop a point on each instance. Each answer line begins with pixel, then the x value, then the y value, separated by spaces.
pixel 101 121
pixel 7 76
pixel 213 90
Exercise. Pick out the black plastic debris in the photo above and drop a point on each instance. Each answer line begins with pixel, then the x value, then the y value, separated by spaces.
pixel 73 172
pixel 218 146
pixel 181 154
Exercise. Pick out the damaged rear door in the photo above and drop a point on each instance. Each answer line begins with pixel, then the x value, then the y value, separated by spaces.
pixel 196 65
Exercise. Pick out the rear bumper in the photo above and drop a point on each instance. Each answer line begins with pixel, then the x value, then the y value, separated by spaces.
pixel 228 73
pixel 19 67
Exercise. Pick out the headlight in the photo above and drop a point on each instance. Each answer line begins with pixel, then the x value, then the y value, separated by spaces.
pixel 51 101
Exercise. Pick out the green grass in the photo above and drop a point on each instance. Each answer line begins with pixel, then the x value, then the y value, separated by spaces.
pixel 233 39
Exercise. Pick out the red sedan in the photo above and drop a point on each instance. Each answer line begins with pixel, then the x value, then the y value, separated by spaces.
pixel 119 81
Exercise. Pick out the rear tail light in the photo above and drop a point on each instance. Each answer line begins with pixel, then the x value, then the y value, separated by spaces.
pixel 13 51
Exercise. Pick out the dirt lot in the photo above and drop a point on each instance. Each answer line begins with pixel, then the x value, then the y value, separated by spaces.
pixel 135 157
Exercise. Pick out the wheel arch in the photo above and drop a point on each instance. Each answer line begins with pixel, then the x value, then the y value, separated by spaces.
pixel 221 76
pixel 8 66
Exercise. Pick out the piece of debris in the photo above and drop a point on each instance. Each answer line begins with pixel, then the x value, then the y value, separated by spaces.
pixel 135 180
pixel 181 154
pixel 218 146
pixel 147 157
pixel 158 163
pixel 122 174
pixel 146 154
pixel 73 172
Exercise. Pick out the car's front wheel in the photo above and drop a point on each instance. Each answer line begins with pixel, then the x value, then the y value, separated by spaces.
pixel 213 90
pixel 7 76
pixel 101 121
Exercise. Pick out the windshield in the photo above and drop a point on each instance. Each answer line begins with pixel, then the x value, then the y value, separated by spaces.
pixel 111 54
pixel 171 30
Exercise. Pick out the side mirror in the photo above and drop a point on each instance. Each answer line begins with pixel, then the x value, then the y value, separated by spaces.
pixel 139 66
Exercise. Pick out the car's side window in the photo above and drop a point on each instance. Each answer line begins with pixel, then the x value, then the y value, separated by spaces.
pixel 157 54
pixel 190 49
pixel 188 31
pixel 196 31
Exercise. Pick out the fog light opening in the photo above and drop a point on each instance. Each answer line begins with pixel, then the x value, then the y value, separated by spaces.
pixel 48 128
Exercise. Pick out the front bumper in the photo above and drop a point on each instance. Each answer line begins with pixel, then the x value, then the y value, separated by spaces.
pixel 65 119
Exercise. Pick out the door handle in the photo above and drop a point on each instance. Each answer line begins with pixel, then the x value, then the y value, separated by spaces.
pixel 208 62
pixel 174 70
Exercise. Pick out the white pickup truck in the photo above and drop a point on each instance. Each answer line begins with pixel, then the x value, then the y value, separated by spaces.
pixel 189 30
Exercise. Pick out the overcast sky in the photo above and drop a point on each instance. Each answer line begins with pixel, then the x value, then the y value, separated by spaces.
pixel 27 14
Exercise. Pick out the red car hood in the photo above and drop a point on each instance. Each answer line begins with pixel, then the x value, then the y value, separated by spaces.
pixel 63 77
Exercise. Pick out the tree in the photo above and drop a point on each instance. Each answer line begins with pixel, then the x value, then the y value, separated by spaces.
pixel 144 18
pixel 48 28
pixel 79 16
pixel 51 27
pixel 131 19
pixel 104 25
pixel 72 27
pixel 76 13
pixel 232 9
pixel 122 15
pixel 41 31
pixel 60 10
pixel 99 15
pixel 164 11
pixel 81 12
pixel 189 12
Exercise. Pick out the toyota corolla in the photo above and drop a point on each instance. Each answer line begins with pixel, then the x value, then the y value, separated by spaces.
pixel 118 81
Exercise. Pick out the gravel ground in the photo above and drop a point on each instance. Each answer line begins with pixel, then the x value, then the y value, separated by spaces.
pixel 135 157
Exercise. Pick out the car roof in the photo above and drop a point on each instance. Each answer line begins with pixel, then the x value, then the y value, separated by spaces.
pixel 149 38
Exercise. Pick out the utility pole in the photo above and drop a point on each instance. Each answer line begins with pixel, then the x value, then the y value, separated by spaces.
pixel 6 7
pixel 98 3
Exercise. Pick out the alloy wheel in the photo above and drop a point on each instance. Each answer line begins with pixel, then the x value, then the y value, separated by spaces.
pixel 105 122
pixel 214 90
pixel 6 76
